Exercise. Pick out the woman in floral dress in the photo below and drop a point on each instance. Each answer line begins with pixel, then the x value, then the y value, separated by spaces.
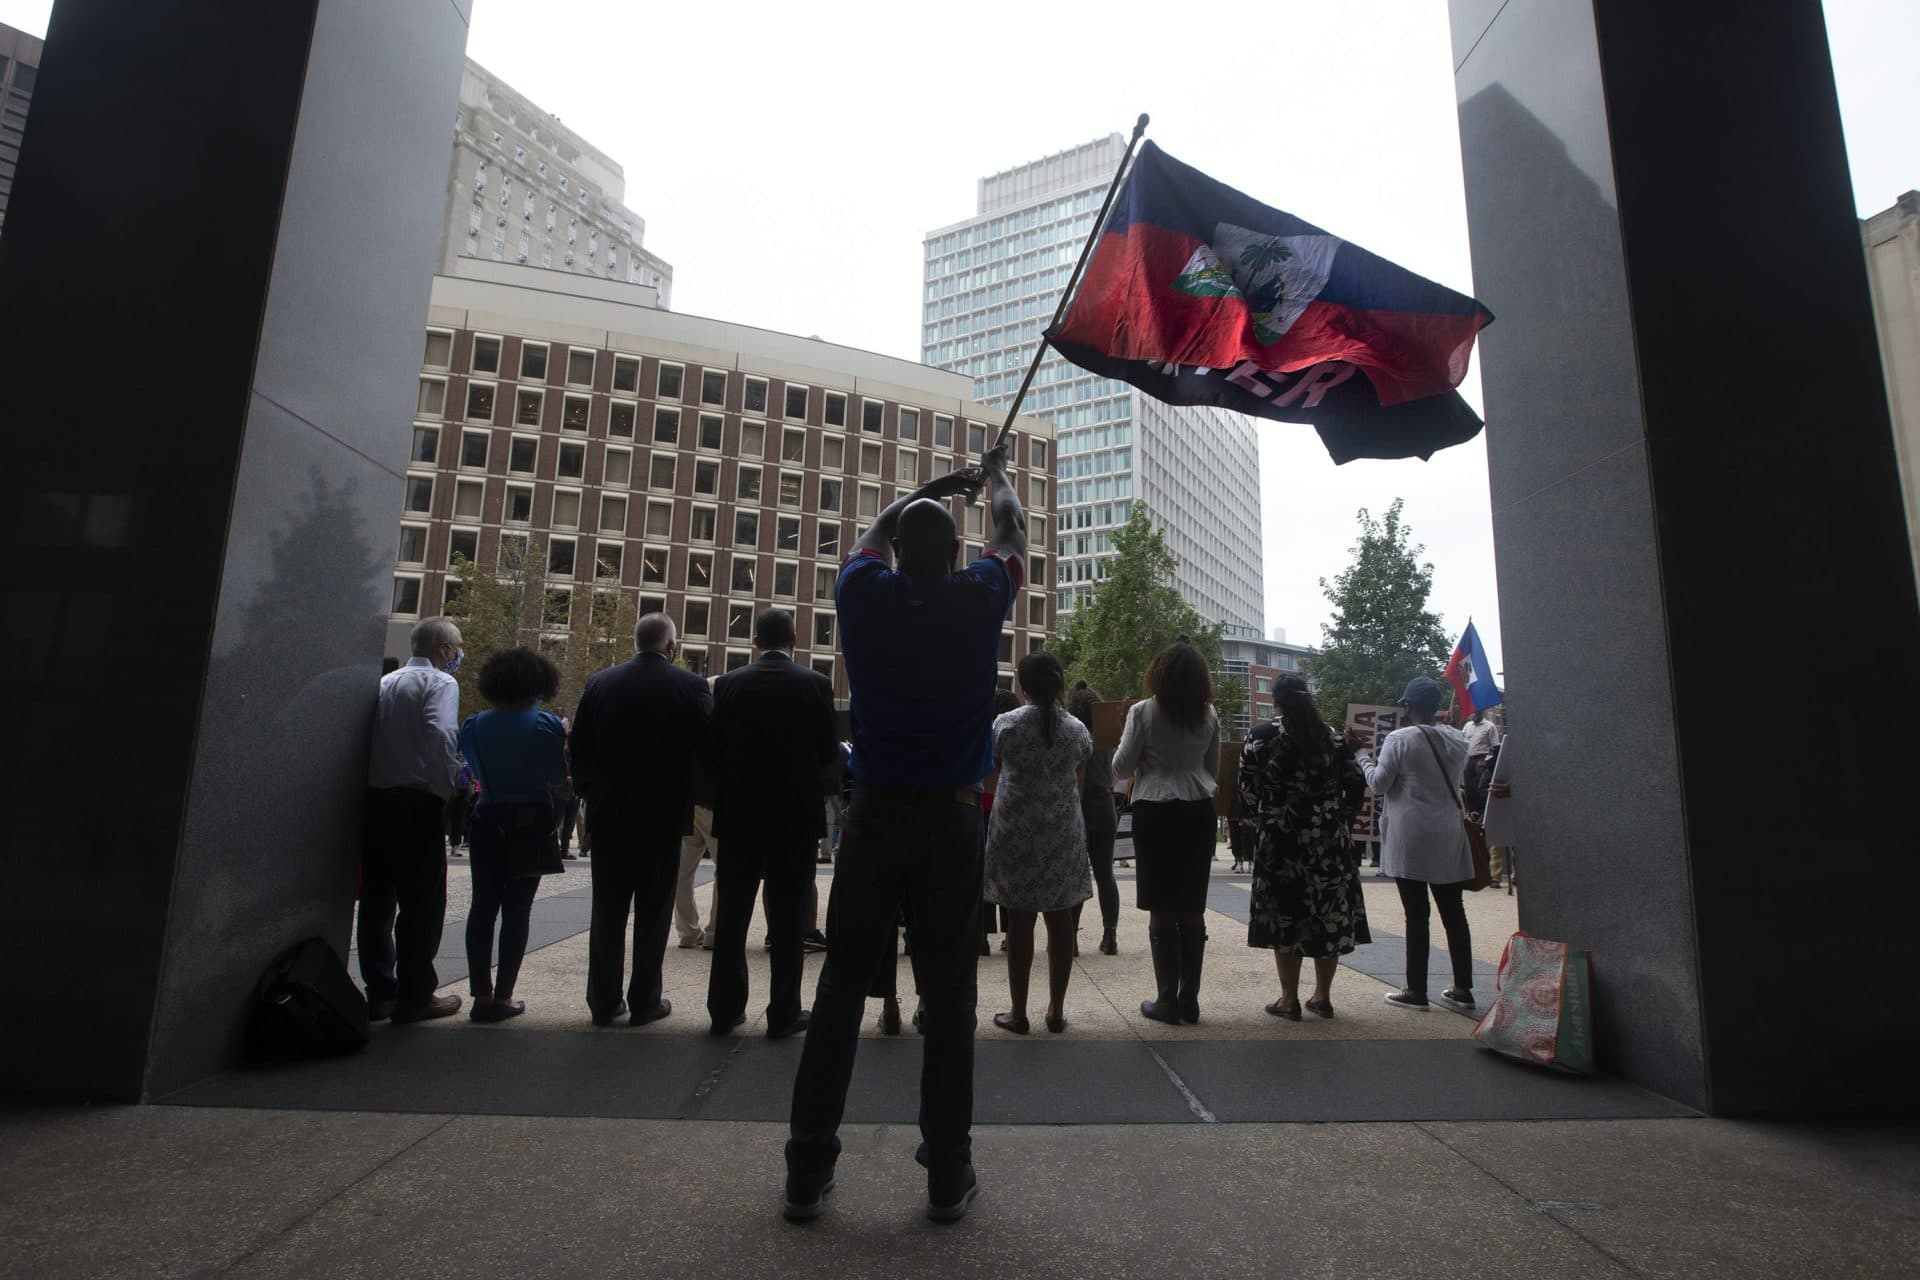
pixel 1037 843
pixel 1302 785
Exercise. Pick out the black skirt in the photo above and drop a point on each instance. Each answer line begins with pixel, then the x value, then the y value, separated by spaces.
pixel 1173 854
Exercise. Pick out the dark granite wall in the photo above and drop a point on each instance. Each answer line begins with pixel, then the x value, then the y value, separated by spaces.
pixel 212 324
pixel 1704 583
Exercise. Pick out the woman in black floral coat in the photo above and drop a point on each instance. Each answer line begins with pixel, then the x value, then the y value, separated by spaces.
pixel 1303 787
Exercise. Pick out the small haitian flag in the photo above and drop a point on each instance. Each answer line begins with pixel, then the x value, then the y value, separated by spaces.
pixel 1197 294
pixel 1471 674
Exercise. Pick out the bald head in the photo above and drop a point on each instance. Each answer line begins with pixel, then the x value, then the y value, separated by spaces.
pixel 926 539
pixel 653 633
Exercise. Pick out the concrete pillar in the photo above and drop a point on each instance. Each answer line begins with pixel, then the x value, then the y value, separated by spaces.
pixel 1706 601
pixel 215 274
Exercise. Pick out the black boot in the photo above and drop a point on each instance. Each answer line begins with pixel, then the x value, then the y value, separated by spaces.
pixel 1193 949
pixel 1165 945
pixel 1109 945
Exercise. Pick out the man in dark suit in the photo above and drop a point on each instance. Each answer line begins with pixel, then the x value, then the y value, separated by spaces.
pixel 773 744
pixel 635 735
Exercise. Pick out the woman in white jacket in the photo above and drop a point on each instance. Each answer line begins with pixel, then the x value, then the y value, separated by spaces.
pixel 1417 776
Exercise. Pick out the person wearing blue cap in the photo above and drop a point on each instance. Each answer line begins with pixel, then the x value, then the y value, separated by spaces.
pixel 1423 847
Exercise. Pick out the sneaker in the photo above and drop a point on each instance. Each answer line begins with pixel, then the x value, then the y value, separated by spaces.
pixel 706 942
pixel 689 941
pixel 814 942
pixel 806 1196
pixel 1456 1000
pixel 949 1195
pixel 1407 1000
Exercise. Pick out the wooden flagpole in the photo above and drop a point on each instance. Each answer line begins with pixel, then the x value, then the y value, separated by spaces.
pixel 1073 282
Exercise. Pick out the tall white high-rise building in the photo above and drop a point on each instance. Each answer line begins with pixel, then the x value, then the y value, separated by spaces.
pixel 992 283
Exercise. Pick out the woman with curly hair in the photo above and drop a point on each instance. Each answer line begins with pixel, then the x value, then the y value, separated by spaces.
pixel 1171 747
pixel 1302 785
pixel 518 754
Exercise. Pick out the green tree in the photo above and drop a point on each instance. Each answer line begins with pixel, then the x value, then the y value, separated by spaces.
pixel 1382 634
pixel 1135 612
pixel 601 634
pixel 496 611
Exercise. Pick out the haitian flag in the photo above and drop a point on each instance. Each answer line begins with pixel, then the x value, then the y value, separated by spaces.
pixel 1197 294
pixel 1471 675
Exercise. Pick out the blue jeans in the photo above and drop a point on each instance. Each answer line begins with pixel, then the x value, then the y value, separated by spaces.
pixel 923 849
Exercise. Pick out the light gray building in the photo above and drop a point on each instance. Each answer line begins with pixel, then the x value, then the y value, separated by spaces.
pixel 19 68
pixel 523 188
pixel 991 285
pixel 1892 240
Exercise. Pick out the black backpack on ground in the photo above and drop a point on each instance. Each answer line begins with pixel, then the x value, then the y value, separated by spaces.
pixel 307 1007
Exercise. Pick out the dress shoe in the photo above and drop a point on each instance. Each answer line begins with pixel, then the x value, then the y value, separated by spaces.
pixel 725 1026
pixel 494 1011
pixel 806 1195
pixel 797 1027
pixel 1109 945
pixel 379 1010
pixel 608 1018
pixel 654 1014
pixel 813 942
pixel 950 1194
pixel 435 1007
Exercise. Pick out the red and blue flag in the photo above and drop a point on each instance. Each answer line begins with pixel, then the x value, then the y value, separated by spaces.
pixel 1198 294
pixel 1471 675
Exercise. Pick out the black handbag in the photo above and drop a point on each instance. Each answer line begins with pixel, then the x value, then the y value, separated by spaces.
pixel 525 837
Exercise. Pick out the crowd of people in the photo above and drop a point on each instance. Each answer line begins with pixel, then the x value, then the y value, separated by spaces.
pixel 926 741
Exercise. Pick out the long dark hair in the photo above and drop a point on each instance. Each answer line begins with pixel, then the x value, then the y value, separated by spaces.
pixel 1080 702
pixel 1179 680
pixel 1303 726
pixel 1040 675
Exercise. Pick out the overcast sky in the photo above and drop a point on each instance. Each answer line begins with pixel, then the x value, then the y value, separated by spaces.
pixel 788 159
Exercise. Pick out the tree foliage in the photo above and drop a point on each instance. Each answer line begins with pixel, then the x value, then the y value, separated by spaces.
pixel 1382 634
pixel 1135 612
pixel 601 635
pixel 495 611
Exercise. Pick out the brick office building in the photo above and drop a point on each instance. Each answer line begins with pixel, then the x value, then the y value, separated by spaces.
pixel 703 468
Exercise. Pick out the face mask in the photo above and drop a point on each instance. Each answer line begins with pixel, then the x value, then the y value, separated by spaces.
pixel 453 663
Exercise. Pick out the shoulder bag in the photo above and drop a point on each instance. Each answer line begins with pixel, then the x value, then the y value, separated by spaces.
pixel 1476 834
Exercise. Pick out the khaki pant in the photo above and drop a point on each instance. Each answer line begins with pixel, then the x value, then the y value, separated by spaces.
pixel 686 915
pixel 1497 860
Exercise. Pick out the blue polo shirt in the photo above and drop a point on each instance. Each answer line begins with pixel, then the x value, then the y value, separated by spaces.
pixel 922 660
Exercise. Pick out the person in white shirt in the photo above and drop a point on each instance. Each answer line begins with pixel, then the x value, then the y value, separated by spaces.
pixel 403 879
pixel 1483 735
pixel 1423 846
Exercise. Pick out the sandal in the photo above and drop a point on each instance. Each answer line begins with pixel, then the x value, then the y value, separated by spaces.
pixel 1291 1012
pixel 1007 1022
pixel 1322 1007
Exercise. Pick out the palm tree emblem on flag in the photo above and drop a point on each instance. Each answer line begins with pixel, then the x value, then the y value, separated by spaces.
pixel 1276 275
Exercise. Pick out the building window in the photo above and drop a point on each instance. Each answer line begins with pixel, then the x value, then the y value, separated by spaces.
pixel 869 502
pixel 463 544
pixel 613 514
pixel 557 613
pixel 652 604
pixel 822 629
pixel 1263 684
pixel 712 430
pixel 573 413
pixel 666 426
pixel 699 612
pixel 522 455
pixel 653 566
pixel 566 508
pixel 790 490
pixel 746 528
pixel 1037 565
pixel 533 362
pixel 1006 646
pixel 486 355
pixel 704 525
pixel 872 415
pixel 406 595
pixel 869 459
pixel 796 401
pixel 748 488
pixel 829 539
pixel 786 579
pixel 713 386
pixel 1037 453
pixel 976 439
pixel 620 418
pixel 1036 611
pixel 439 353
pixel 618 472
pixel 786 534
pixel 660 472
pixel 699 571
pixel 741 583
pixel 513 552
pixel 526 408
pixel 420 494
pixel 824 666
pixel 426 444
pixel 824 577
pixel 829 494
pixel 432 402
pixel 1037 491
pixel 738 658
pixel 754 398
pixel 560 554
pixel 753 440
pixel 908 467
pixel 626 374
pixel 519 505
pixel 667 383
pixel 413 544
pixel 739 627
pixel 579 367
pixel 573 460
pixel 909 424
pixel 942 431
pixel 480 402
pixel 468 496
pixel 833 453
pixel 606 563
pixel 793 446
pixel 976 522
pixel 835 413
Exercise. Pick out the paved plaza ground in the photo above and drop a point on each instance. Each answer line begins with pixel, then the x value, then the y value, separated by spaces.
pixel 1382 1143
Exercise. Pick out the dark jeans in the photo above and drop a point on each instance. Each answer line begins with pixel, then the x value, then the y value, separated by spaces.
pixel 403 893
pixel 1453 918
pixel 1100 854
pixel 570 814
pixel 921 848
pixel 458 809
pixel 496 895
pixel 739 866
pixel 631 872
